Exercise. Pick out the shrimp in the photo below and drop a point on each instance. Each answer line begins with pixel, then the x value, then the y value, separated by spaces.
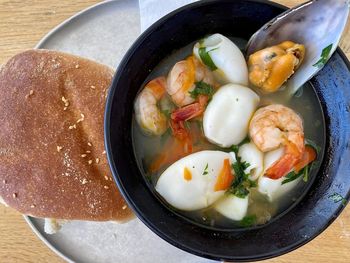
pixel 190 111
pixel 182 77
pixel 276 125
pixel 147 113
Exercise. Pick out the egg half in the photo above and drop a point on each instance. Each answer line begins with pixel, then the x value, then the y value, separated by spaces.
pixel 232 207
pixel 274 189
pixel 189 183
pixel 229 62
pixel 227 116
pixel 252 155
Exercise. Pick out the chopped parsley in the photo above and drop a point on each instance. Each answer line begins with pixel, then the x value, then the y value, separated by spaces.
pixel 202 88
pixel 313 145
pixel 187 125
pixel 246 140
pixel 206 59
pixel 306 173
pixel 336 198
pixel 240 191
pixel 166 106
pixel 306 170
pixel 293 175
pixel 241 183
pixel 205 172
pixel 253 183
pixel 326 52
pixel 248 221
pixel 167 113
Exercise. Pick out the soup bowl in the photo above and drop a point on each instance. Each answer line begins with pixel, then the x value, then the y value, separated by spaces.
pixel 316 209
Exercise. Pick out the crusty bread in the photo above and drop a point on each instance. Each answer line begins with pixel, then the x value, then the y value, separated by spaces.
pixel 52 158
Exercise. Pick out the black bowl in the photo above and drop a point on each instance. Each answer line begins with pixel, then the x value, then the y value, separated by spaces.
pixel 308 218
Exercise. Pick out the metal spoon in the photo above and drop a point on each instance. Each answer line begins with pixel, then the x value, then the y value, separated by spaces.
pixel 317 24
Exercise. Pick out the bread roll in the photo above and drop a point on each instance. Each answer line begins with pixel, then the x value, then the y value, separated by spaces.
pixel 52 158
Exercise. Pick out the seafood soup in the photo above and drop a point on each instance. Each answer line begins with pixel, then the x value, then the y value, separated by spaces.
pixel 221 140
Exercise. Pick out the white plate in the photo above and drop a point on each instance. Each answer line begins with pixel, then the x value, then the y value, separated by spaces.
pixel 103 33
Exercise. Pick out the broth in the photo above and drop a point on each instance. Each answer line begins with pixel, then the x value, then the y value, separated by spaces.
pixel 147 148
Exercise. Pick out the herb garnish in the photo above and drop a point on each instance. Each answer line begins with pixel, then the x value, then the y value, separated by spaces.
pixel 240 191
pixel 167 113
pixel 324 56
pixel 248 221
pixel 253 183
pixel 306 173
pixel 336 198
pixel 205 172
pixel 187 125
pixel 306 170
pixel 313 145
pixel 246 140
pixel 241 182
pixel 206 59
pixel 293 175
pixel 202 88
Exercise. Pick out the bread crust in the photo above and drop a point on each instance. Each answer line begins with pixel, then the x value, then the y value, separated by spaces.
pixel 52 158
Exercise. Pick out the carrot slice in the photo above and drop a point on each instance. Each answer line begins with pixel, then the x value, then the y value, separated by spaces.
pixel 159 161
pixel 175 150
pixel 182 145
pixel 187 174
pixel 308 157
pixel 225 177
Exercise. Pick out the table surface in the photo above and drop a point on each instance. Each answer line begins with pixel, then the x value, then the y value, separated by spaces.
pixel 22 24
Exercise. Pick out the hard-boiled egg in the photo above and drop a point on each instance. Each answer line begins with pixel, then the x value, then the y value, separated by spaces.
pixel 274 188
pixel 222 56
pixel 189 183
pixel 252 155
pixel 227 116
pixel 232 207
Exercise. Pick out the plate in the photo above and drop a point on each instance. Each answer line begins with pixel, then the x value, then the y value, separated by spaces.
pixel 103 33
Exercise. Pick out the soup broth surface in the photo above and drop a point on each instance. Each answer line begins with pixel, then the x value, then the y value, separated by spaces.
pixel 305 103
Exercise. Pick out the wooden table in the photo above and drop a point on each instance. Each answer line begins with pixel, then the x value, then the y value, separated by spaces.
pixel 22 24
